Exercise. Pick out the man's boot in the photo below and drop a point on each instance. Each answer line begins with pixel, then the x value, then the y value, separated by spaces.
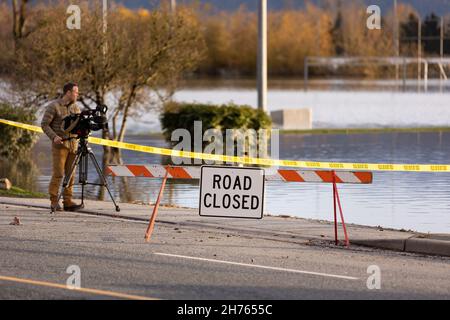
pixel 72 206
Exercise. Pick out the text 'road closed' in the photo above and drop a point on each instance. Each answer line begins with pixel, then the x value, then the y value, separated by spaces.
pixel 232 192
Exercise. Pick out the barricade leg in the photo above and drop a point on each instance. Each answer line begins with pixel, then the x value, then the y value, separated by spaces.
pixel 151 224
pixel 337 199
pixel 336 241
pixel 347 241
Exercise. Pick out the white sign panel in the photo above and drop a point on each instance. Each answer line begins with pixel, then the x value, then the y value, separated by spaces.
pixel 232 192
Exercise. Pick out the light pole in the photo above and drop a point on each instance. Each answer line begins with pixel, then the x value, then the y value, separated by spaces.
pixel 262 55
pixel 105 26
pixel 419 50
pixel 441 54
pixel 441 49
pixel 396 31
pixel 396 40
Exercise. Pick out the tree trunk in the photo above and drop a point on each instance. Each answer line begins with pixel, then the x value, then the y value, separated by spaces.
pixel 105 161
pixel 14 10
pixel 127 196
pixel 130 99
pixel 19 18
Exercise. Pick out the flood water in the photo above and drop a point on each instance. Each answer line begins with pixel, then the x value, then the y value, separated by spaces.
pixel 416 201
pixel 362 107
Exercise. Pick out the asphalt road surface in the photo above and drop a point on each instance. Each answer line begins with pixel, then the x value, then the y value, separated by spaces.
pixel 183 262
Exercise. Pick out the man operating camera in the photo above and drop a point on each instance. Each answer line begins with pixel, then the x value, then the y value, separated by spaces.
pixel 64 148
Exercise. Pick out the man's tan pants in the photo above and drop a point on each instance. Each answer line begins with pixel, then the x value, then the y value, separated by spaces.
pixel 62 163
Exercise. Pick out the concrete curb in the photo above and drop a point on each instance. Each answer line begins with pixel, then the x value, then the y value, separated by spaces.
pixel 419 244
pixel 429 244
pixel 415 244
pixel 389 244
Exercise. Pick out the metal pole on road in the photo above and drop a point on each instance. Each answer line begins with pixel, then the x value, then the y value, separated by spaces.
pixel 262 55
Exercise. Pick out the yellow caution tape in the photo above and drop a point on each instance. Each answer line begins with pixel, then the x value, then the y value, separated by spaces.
pixel 258 161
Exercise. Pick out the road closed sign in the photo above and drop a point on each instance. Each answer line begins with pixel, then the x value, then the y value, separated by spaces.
pixel 232 192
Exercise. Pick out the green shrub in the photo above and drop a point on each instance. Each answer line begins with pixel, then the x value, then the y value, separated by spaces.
pixel 231 116
pixel 15 141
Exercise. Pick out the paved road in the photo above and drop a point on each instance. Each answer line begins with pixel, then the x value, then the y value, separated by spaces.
pixel 183 262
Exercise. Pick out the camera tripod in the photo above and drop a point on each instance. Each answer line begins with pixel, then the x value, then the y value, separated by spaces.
pixel 84 153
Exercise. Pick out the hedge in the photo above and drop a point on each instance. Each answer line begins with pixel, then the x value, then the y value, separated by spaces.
pixel 182 116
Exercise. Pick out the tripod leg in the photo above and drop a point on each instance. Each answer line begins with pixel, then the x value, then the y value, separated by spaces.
pixel 82 195
pixel 83 175
pixel 102 178
pixel 67 178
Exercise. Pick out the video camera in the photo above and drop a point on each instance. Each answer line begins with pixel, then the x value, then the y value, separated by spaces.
pixel 82 123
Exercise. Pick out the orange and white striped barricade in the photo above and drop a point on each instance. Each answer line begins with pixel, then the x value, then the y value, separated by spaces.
pixel 194 172
pixel 323 176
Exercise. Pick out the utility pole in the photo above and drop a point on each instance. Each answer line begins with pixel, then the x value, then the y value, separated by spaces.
pixel 105 16
pixel 396 40
pixel 441 51
pixel 419 51
pixel 319 30
pixel 105 26
pixel 262 55
pixel 173 6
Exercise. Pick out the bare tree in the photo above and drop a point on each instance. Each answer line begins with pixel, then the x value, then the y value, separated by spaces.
pixel 147 52
pixel 160 47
